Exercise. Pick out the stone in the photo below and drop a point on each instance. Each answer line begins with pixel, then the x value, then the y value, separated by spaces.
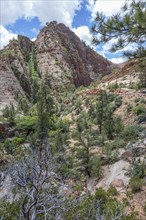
pixel 62 59
pixel 117 183
pixel 126 155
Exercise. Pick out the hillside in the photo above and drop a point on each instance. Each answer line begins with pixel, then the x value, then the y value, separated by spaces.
pixel 72 132
pixel 62 59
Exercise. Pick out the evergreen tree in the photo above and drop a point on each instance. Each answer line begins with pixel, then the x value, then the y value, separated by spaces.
pixel 23 104
pixel 109 124
pixel 44 111
pixel 101 109
pixel 34 75
pixel 128 26
pixel 83 154
pixel 90 165
pixel 142 77
pixel 10 113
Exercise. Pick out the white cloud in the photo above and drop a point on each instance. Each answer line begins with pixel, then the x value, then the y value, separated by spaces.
pixel 84 34
pixel 107 46
pixel 130 47
pixel 108 7
pixel 46 11
pixel 118 60
pixel 34 30
pixel 33 39
pixel 13 10
pixel 5 36
pixel 102 54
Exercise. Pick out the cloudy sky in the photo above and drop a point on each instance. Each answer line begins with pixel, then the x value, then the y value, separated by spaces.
pixel 27 17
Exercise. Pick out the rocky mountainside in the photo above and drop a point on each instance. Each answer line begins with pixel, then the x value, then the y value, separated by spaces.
pixel 62 58
pixel 76 146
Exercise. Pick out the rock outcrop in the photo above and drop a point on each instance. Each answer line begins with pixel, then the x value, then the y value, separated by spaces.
pixel 62 59
pixel 14 71
pixel 63 56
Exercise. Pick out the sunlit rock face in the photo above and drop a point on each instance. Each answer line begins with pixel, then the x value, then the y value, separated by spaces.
pixel 61 56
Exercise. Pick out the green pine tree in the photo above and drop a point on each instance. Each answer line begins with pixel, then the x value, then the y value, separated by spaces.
pixel 44 111
pixel 101 109
pixel 34 75
pixel 128 26
pixel 142 76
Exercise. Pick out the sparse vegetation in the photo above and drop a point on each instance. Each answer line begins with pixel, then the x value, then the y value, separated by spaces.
pixel 62 146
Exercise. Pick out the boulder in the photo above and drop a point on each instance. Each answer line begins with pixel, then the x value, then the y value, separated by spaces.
pixel 117 183
pixel 126 155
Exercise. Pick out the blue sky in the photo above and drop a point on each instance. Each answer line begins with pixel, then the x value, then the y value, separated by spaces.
pixel 27 17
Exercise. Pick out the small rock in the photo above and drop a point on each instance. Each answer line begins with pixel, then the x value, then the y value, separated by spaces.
pixel 126 155
pixel 117 183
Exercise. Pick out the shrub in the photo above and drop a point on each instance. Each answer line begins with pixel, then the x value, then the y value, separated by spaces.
pixel 118 101
pixel 118 143
pixel 63 125
pixel 10 210
pixel 113 86
pixel 112 191
pixel 138 169
pixel 140 109
pixel 136 184
pixel 9 112
pixel 131 132
pixel 129 108
pixel 26 123
pixel 95 167
pixel 111 156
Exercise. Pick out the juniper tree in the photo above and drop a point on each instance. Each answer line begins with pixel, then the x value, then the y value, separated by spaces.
pixel 9 112
pixel 44 112
pixel 127 26
pixel 34 75
pixel 109 124
pixel 142 76
pixel 101 109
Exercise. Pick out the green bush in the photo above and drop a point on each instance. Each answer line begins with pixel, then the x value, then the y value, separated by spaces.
pixel 26 123
pixel 112 191
pixel 10 210
pixel 9 112
pixel 136 184
pixel 13 146
pixel 113 86
pixel 129 108
pixel 95 167
pixel 140 109
pixel 63 126
pixel 118 101
pixel 138 169
pixel 118 143
pixel 131 132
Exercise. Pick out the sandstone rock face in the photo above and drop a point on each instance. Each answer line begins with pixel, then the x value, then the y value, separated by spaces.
pixel 14 71
pixel 62 59
pixel 117 183
pixel 63 56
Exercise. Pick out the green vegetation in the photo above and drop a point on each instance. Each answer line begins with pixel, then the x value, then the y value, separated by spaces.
pixel 121 29
pixel 53 144
pixel 142 77
pixel 9 113
pixel 136 184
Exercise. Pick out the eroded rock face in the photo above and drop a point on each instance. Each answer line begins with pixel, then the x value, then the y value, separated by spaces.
pixel 62 59
pixel 14 71
pixel 63 56
pixel 117 183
